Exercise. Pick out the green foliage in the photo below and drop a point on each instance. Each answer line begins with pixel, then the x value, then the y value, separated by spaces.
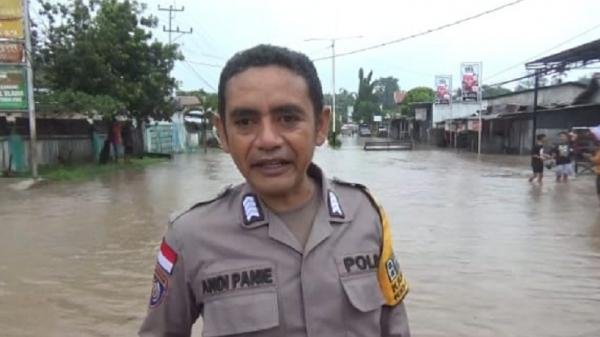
pixel 343 100
pixel 488 91
pixel 77 101
pixel 104 48
pixel 364 111
pixel 416 95
pixel 365 105
pixel 384 91
pixel 89 171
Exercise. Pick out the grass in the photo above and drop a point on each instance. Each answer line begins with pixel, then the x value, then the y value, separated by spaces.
pixel 87 171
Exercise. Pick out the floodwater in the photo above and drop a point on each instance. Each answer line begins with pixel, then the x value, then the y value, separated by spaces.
pixel 486 253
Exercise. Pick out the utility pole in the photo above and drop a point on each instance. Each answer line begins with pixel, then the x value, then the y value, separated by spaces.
pixel 333 75
pixel 170 30
pixel 30 101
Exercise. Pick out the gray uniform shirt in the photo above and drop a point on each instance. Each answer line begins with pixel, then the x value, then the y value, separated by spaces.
pixel 238 265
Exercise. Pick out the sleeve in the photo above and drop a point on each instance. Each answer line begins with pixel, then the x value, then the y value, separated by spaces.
pixel 172 307
pixel 394 321
pixel 393 284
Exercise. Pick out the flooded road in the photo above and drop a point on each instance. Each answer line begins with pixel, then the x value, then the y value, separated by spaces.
pixel 486 253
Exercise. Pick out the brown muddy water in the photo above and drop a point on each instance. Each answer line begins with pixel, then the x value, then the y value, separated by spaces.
pixel 486 253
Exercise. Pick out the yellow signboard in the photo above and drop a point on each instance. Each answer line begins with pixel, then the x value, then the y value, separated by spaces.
pixel 10 9
pixel 11 29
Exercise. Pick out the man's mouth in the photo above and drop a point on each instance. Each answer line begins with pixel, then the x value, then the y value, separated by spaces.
pixel 271 166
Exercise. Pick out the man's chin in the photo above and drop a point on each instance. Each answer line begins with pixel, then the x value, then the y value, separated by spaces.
pixel 273 186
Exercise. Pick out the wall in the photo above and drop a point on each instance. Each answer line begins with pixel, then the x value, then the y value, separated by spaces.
pixel 455 110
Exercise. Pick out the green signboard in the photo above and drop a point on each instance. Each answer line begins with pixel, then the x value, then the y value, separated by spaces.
pixel 13 88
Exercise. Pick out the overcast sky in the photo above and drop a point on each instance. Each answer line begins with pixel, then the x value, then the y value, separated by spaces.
pixel 500 40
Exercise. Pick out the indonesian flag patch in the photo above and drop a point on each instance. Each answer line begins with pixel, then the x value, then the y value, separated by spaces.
pixel 166 257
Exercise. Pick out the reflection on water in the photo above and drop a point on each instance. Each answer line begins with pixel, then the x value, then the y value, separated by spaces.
pixel 487 253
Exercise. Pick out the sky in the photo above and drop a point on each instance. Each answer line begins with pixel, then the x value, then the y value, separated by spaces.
pixel 503 41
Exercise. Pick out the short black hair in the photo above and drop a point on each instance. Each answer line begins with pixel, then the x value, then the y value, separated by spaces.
pixel 266 55
pixel 541 136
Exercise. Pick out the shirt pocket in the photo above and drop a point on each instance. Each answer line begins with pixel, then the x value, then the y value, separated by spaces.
pixel 248 313
pixel 362 315
pixel 363 291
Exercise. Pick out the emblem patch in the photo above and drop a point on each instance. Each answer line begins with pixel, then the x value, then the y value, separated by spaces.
pixel 251 209
pixel 335 209
pixel 159 288
pixel 166 257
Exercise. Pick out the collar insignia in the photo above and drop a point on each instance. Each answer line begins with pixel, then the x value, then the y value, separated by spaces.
pixel 335 209
pixel 252 210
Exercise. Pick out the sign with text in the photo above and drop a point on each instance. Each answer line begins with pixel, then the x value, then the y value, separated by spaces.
pixel 10 9
pixel 13 93
pixel 443 89
pixel 421 114
pixel 11 53
pixel 11 29
pixel 470 73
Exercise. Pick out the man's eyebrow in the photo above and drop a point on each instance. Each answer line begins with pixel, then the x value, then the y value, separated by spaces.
pixel 288 108
pixel 243 112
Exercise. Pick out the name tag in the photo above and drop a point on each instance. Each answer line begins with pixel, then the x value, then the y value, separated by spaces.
pixel 239 279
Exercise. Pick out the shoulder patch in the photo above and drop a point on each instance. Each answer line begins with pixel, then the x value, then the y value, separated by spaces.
pixel 178 214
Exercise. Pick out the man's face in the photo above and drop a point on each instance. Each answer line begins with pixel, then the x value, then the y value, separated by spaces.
pixel 270 128
pixel 563 138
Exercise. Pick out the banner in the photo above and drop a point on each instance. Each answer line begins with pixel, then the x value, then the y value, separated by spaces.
pixel 10 9
pixel 11 29
pixel 470 73
pixel 11 53
pixel 443 89
pixel 13 93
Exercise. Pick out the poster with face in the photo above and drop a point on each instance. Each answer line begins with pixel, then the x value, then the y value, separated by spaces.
pixel 470 73
pixel 443 89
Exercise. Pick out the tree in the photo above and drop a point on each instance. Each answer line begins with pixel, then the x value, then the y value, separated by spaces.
pixel 365 105
pixel 384 91
pixel 343 100
pixel 489 91
pixel 364 111
pixel 416 95
pixel 99 50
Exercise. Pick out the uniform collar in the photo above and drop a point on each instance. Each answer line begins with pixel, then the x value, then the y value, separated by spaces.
pixel 254 213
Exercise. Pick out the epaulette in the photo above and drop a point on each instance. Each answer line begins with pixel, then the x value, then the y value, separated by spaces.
pixel 177 215
pixel 361 187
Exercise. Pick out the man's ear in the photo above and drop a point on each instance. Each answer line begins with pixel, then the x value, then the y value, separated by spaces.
pixel 323 125
pixel 220 124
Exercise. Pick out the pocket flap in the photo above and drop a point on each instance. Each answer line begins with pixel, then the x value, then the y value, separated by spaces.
pixel 363 291
pixel 231 315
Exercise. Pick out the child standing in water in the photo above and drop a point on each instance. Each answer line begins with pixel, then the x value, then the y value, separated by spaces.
pixel 537 159
pixel 563 153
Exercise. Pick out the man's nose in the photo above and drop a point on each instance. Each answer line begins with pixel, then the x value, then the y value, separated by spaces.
pixel 269 137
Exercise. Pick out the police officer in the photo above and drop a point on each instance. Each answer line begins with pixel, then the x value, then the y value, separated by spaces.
pixel 289 252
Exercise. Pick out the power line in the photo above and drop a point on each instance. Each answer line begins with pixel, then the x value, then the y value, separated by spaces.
pixel 199 76
pixel 205 64
pixel 171 9
pixel 543 73
pixel 544 52
pixel 425 32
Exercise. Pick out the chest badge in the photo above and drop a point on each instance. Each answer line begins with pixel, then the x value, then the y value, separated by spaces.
pixel 251 209
pixel 335 209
